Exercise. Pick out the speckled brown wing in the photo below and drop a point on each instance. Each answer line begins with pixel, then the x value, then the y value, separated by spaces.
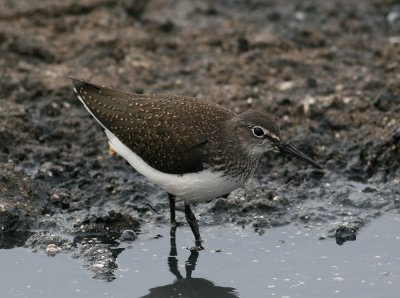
pixel 170 133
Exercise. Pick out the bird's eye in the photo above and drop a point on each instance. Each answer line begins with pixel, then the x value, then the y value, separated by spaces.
pixel 258 131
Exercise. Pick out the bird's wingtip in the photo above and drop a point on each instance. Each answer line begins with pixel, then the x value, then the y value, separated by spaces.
pixel 78 83
pixel 73 79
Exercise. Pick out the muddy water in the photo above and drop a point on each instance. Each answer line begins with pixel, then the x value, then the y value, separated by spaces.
pixel 289 261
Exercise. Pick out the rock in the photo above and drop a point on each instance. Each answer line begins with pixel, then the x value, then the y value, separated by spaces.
pixel 393 16
pixel 128 235
pixel 348 230
pixel 111 225
pixel 53 249
pixel 48 242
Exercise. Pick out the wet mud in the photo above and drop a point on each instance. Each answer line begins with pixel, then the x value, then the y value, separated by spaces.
pixel 330 76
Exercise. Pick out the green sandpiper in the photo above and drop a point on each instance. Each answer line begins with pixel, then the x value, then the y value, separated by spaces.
pixel 194 149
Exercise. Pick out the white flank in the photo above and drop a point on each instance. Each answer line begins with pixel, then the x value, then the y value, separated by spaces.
pixel 202 186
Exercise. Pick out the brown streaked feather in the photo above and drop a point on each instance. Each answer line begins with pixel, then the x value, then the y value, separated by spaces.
pixel 170 133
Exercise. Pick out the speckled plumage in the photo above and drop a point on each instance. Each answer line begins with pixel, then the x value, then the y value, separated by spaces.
pixel 169 132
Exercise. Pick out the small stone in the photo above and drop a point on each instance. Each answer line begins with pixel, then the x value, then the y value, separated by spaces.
pixel 393 16
pixel 299 16
pixel 52 249
pixel 286 85
pixel 347 231
pixel 128 235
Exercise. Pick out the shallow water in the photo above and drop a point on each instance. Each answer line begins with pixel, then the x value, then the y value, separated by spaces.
pixel 289 261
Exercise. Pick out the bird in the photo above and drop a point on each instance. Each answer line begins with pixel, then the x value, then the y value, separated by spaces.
pixel 194 149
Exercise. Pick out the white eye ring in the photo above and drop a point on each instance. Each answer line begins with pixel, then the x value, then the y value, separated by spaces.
pixel 258 131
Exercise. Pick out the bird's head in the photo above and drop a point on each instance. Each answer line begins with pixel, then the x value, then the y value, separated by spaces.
pixel 260 133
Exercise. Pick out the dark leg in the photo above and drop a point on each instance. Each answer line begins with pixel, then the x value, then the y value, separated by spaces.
pixel 191 219
pixel 172 209
pixel 171 198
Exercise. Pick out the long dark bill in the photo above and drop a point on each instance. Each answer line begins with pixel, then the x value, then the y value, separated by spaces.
pixel 287 148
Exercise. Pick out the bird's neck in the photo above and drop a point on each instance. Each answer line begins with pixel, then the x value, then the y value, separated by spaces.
pixel 234 160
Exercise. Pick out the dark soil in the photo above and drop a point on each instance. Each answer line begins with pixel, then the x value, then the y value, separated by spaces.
pixel 328 70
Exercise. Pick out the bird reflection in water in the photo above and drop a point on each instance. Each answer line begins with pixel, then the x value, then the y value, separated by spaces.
pixel 188 286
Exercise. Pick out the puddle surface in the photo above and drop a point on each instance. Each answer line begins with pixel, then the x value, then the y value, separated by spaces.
pixel 289 261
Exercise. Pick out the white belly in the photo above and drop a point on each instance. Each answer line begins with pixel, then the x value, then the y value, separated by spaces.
pixel 190 187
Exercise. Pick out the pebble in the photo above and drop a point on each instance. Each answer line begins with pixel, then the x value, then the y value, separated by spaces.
pixel 52 249
pixel 128 235
pixel 393 16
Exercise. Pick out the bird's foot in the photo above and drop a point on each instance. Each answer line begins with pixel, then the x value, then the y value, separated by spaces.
pixel 196 247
